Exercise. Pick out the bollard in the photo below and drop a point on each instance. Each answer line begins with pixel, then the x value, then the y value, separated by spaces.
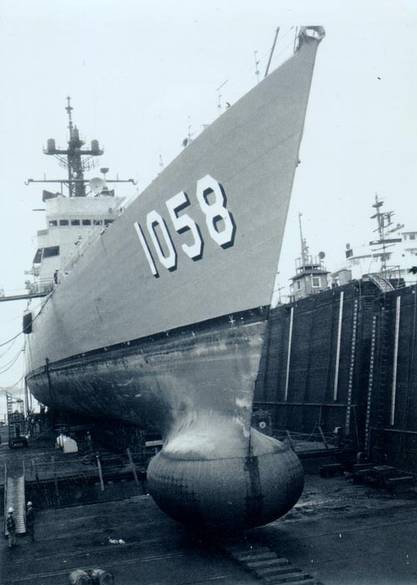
pixel 80 577
pixel 101 577
pixel 91 577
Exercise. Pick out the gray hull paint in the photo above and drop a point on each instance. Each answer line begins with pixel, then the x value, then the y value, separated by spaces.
pixel 252 150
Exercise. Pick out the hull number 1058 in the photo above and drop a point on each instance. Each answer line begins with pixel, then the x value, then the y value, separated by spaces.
pixel 219 221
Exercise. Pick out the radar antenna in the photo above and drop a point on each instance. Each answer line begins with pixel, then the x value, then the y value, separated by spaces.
pixel 69 109
pixel 76 159
pixel 384 223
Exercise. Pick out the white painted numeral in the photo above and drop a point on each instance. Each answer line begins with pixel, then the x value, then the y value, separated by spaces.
pixel 145 247
pixel 219 220
pixel 153 220
pixel 184 222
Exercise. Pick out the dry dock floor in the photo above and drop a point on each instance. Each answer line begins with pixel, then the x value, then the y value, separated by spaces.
pixel 155 550
pixel 341 533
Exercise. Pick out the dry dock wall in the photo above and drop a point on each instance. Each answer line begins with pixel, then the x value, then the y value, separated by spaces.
pixel 393 420
pixel 345 358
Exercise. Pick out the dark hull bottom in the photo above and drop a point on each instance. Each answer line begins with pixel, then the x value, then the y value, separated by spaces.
pixel 232 493
pixel 196 386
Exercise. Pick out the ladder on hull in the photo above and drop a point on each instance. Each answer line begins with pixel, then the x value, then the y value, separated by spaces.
pixel 14 497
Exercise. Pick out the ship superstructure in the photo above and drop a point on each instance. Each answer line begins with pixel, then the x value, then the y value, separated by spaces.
pixel 78 213
pixel 73 224
pixel 310 273
pixel 391 255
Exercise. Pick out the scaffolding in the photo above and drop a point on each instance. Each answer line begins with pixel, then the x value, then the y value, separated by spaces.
pixel 16 421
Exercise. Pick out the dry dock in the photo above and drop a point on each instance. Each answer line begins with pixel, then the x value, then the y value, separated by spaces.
pixel 340 533
pixel 155 550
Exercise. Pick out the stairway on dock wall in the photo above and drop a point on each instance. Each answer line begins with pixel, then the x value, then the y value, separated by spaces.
pixel 14 497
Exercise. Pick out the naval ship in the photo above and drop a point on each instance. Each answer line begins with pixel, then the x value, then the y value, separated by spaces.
pixel 156 311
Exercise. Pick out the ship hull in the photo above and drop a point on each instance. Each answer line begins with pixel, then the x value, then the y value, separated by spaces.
pixel 195 385
pixel 237 177
pixel 162 381
pixel 158 323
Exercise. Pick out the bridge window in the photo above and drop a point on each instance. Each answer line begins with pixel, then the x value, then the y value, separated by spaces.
pixel 86 221
pixel 108 221
pixel 53 223
pixel 38 256
pixel 98 222
pixel 75 222
pixel 63 222
pixel 51 251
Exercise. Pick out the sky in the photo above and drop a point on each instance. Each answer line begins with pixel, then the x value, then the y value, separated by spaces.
pixel 142 74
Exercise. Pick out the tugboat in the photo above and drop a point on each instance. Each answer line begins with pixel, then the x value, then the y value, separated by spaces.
pixel 311 276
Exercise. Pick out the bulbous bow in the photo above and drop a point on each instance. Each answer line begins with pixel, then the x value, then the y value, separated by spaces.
pixel 257 483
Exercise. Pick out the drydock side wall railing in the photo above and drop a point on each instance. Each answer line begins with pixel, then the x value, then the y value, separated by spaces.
pixel 65 479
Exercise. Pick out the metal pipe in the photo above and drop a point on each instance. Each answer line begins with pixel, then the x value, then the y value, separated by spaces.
pixel 339 337
pixel 402 431
pixel 318 404
pixel 100 472
pixel 287 377
pixel 55 479
pixel 24 297
pixel 395 359
pixel 132 466
pixel 84 181
pixel 26 401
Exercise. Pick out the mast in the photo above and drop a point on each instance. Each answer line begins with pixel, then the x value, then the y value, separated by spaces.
pixel 76 159
pixel 69 109
pixel 75 162
pixel 304 247
pixel 384 221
